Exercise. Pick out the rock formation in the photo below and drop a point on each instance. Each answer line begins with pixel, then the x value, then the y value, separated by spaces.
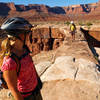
pixel 38 12
pixel 44 39
pixel 69 72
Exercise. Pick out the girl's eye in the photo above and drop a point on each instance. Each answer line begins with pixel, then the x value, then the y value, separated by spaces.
pixel 13 39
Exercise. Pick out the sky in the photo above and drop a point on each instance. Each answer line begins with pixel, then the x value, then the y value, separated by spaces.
pixel 51 3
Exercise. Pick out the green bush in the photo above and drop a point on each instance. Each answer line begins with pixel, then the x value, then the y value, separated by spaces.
pixel 89 24
pixel 81 24
pixel 67 23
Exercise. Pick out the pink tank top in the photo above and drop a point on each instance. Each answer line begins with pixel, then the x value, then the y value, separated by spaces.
pixel 27 79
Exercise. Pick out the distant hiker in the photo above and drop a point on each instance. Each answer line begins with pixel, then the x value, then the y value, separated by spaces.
pixel 72 30
pixel 16 64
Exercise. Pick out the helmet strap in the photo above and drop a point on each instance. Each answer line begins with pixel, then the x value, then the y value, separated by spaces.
pixel 24 38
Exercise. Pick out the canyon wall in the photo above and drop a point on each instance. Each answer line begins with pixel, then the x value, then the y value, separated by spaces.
pixel 44 39
pixel 36 12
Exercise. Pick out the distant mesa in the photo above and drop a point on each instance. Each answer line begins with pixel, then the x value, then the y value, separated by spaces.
pixel 36 12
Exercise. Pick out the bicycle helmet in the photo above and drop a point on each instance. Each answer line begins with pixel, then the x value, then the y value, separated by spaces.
pixel 15 26
pixel 72 22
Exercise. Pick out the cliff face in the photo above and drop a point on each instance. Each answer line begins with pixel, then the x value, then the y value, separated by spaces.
pixel 45 13
pixel 44 39
pixel 6 7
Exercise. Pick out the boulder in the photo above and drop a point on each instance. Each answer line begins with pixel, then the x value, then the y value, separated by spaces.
pixel 71 68
pixel 87 70
pixel 62 68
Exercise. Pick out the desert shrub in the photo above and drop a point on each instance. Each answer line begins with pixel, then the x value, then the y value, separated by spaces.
pixel 81 23
pixel 67 23
pixel 89 24
pixel 57 22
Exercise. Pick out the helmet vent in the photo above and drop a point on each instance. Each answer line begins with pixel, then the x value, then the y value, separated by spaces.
pixel 10 20
pixel 18 22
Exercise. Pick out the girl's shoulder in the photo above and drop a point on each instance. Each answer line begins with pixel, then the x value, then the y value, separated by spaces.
pixel 7 59
pixel 8 64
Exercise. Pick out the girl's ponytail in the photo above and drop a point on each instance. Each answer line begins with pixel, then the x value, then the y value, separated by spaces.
pixel 5 50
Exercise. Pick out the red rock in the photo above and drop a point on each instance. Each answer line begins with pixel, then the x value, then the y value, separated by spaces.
pixel 42 39
pixel 36 12
pixel 11 6
pixel 56 33
pixel 57 43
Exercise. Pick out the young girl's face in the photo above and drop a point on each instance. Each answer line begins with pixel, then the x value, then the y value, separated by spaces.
pixel 17 43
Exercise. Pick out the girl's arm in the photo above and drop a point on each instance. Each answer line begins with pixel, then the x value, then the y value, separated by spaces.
pixel 10 77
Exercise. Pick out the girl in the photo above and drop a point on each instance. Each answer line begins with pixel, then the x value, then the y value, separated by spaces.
pixel 22 85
